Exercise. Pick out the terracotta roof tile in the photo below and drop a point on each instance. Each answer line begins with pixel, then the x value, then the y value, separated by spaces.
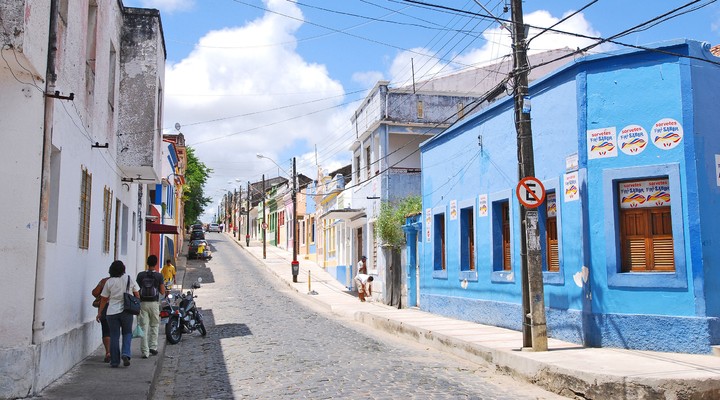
pixel 715 50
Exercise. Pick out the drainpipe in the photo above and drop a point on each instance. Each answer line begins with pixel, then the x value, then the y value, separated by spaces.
pixel 50 78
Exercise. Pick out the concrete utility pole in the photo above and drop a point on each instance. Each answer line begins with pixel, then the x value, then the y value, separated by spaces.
pixel 294 265
pixel 264 224
pixel 247 222
pixel 533 296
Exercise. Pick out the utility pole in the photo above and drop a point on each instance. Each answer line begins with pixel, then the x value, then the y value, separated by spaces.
pixel 264 224
pixel 247 222
pixel 295 265
pixel 534 324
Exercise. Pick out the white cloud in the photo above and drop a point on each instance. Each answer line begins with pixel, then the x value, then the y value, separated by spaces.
pixel 498 40
pixel 281 101
pixel 497 44
pixel 168 6
pixel 368 78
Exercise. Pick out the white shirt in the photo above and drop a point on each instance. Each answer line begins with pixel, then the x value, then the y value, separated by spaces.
pixel 363 278
pixel 114 289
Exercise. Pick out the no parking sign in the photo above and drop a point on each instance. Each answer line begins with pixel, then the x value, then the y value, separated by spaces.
pixel 531 192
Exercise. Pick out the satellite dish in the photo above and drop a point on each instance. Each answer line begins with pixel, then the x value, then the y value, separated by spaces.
pixel 177 126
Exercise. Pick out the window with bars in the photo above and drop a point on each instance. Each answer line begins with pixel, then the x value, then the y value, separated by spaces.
pixel 460 110
pixel 85 197
pixel 312 230
pixel 467 239
pixel 91 48
pixel 357 168
pixel 439 242
pixel 107 213
pixel 367 161
pixel 646 238
pixel 420 110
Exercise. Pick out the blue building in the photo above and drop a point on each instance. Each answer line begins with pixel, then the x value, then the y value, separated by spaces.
pixel 627 148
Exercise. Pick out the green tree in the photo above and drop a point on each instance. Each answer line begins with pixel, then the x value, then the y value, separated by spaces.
pixel 194 200
pixel 391 219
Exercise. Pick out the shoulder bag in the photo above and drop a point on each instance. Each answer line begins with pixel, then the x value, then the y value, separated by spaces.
pixel 131 304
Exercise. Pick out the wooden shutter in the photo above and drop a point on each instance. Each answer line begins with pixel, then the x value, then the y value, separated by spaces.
pixel 553 262
pixel 441 227
pixel 471 240
pixel 646 240
pixel 507 265
pixel 663 256
pixel 633 232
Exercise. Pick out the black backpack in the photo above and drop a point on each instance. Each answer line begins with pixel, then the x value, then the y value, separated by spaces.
pixel 148 287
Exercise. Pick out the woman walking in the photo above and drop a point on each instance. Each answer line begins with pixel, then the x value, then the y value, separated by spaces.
pixel 112 295
pixel 103 318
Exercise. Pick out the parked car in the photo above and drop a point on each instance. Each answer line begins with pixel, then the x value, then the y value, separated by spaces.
pixel 197 235
pixel 213 228
pixel 193 248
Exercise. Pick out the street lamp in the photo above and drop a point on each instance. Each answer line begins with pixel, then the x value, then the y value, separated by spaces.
pixel 294 265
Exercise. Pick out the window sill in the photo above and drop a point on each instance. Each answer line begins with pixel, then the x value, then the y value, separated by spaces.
pixel 469 276
pixel 503 277
pixel 553 277
pixel 440 274
pixel 647 280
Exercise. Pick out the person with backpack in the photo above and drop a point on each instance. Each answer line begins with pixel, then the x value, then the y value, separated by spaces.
pixel 151 288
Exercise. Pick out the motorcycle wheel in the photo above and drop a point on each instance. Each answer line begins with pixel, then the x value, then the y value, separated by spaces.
pixel 201 328
pixel 173 331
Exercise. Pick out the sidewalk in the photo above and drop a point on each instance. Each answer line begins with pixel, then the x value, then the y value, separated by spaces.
pixel 567 368
pixel 93 379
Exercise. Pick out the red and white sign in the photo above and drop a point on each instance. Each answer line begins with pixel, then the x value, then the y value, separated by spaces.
pixel 531 192
pixel 264 225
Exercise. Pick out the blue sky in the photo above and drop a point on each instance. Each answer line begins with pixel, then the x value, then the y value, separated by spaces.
pixel 282 77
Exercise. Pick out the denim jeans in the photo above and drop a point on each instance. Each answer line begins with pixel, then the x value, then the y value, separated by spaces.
pixel 116 323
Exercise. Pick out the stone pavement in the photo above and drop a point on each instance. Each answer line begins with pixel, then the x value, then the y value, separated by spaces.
pixel 567 368
pixel 93 379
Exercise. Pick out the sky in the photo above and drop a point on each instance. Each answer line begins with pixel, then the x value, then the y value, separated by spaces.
pixel 281 78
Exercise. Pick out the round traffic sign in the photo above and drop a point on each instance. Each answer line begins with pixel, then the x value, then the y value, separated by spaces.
pixel 264 225
pixel 531 192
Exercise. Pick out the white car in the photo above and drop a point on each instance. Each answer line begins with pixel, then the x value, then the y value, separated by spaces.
pixel 213 228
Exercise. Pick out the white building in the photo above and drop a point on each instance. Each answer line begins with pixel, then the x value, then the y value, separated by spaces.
pixel 80 119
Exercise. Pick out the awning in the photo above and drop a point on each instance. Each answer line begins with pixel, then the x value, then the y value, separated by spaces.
pixel 348 214
pixel 153 227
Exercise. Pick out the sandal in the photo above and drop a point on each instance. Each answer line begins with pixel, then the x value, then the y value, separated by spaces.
pixel 107 358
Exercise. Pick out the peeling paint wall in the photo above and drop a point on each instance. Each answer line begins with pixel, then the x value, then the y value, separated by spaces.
pixel 142 66
pixel 32 358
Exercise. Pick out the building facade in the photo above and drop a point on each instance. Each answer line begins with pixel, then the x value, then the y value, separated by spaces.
pixel 625 146
pixel 80 110
pixel 391 123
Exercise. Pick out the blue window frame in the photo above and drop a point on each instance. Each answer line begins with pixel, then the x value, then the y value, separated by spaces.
pixel 611 208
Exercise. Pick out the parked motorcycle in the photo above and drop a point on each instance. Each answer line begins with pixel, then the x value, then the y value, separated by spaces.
pixel 182 315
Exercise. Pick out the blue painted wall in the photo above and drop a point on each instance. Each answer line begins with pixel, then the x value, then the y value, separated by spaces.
pixel 589 300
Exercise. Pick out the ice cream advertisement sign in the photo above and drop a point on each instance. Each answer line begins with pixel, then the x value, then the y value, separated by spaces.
pixel 666 134
pixel 601 143
pixel 483 205
pixel 551 205
pixel 571 187
pixel 644 194
pixel 632 140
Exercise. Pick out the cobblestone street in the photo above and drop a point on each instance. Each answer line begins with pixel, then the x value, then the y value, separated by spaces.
pixel 266 342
